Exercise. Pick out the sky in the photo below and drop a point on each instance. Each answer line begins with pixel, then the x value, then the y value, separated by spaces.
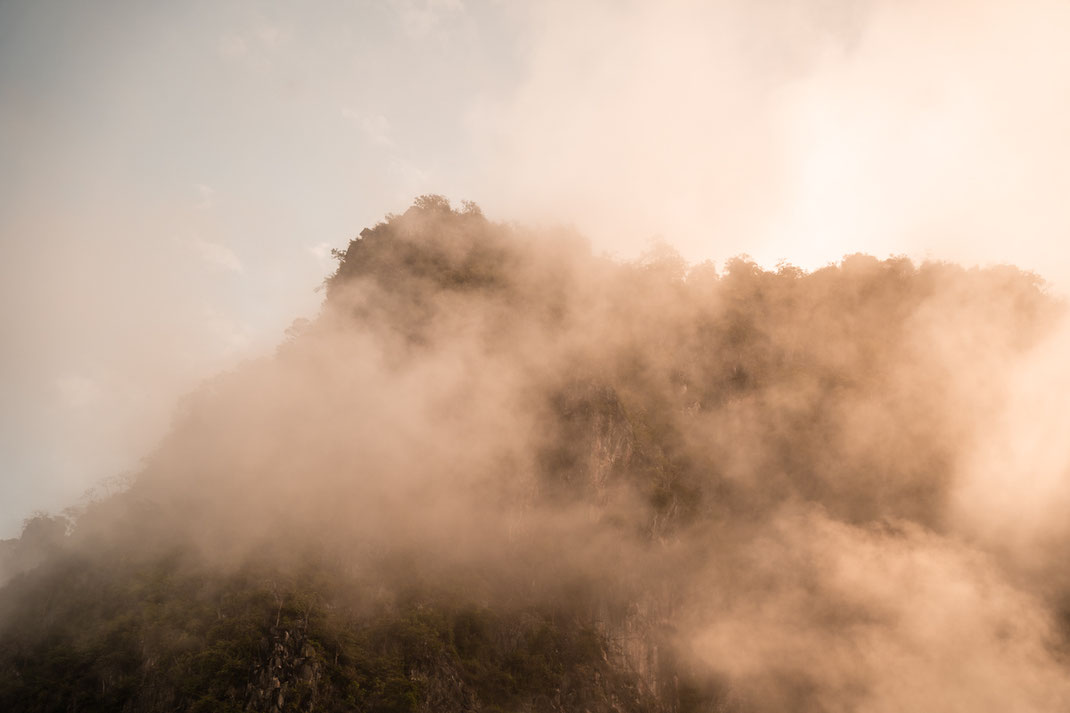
pixel 173 176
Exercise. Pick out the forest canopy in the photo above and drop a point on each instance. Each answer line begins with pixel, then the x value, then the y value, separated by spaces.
pixel 500 472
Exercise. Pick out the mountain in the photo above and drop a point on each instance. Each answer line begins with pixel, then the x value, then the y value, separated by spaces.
pixel 501 473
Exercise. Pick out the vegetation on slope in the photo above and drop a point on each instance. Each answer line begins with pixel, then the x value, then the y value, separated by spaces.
pixel 499 473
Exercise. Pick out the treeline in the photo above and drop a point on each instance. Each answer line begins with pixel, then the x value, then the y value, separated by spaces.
pixel 500 472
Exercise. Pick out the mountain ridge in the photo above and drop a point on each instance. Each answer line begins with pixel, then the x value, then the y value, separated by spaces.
pixel 500 473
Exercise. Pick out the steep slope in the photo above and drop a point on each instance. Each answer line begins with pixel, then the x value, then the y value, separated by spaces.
pixel 499 473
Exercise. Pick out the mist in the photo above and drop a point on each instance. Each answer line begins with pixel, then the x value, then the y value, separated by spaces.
pixel 764 490
pixel 746 396
pixel 799 131
pixel 209 157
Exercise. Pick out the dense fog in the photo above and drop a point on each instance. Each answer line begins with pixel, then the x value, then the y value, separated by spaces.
pixel 837 490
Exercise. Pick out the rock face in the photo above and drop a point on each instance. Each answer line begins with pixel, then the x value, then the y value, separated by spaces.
pixel 475 661
pixel 592 446
pixel 444 673
pixel 287 676
pixel 206 640
pixel 499 474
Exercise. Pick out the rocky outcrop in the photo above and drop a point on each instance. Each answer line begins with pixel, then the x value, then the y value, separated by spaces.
pixel 288 677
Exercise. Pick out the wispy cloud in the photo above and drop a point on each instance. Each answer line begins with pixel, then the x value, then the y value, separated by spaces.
pixel 421 17
pixel 375 127
pixel 216 255
pixel 322 254
pixel 253 46
pixel 206 196
pixel 232 337
pixel 410 178
pixel 271 36
pixel 77 391
pixel 233 46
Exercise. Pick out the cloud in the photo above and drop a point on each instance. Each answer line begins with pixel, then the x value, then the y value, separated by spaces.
pixel 232 338
pixel 421 17
pixel 860 611
pixel 321 252
pixel 253 47
pixel 207 197
pixel 217 255
pixel 1014 484
pixel 410 178
pixel 77 391
pixel 271 37
pixel 751 469
pixel 375 127
pixel 233 46
pixel 792 130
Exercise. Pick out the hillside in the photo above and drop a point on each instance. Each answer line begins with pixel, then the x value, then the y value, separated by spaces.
pixel 501 473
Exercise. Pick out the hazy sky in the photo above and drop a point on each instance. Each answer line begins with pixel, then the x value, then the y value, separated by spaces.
pixel 174 175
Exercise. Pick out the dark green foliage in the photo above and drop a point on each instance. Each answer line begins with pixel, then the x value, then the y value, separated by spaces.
pixel 104 633
pixel 658 403
pixel 430 243
pixel 170 637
